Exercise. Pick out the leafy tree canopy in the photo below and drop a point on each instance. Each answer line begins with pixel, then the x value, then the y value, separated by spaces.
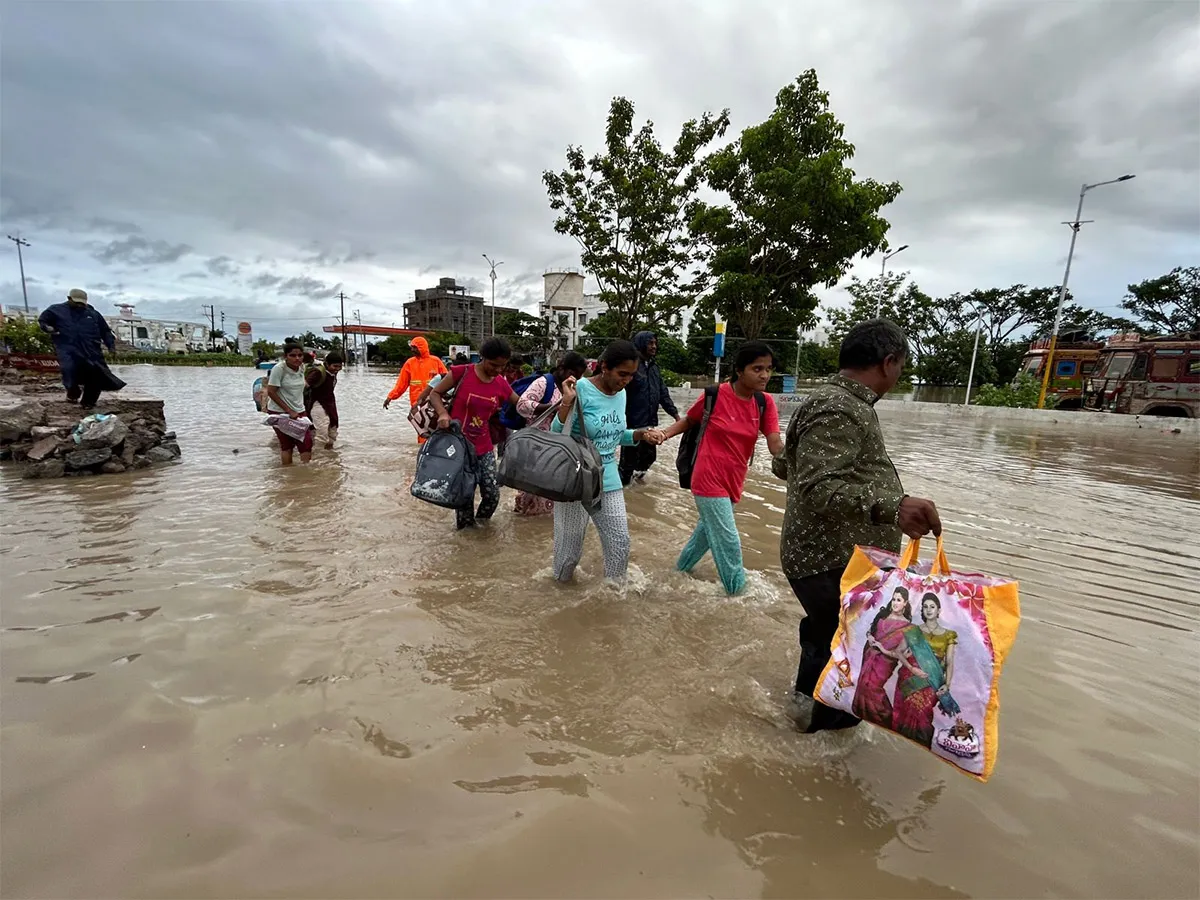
pixel 627 209
pixel 796 215
pixel 1169 304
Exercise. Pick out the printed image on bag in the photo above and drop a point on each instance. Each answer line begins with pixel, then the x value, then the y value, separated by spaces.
pixel 918 651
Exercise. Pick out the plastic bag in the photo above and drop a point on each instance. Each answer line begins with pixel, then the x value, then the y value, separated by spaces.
pixel 919 650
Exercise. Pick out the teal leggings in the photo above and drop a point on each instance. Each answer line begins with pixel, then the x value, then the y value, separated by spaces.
pixel 716 531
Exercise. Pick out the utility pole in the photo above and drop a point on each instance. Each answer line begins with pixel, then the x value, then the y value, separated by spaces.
pixel 493 264
pixel 883 272
pixel 21 242
pixel 224 339
pixel 211 312
pixel 342 298
pixel 360 340
pixel 1062 293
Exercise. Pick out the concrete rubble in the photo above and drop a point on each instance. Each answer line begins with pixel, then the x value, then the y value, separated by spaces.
pixel 39 433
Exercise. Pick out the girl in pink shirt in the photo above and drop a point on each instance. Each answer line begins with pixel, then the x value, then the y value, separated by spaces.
pixel 738 417
pixel 480 391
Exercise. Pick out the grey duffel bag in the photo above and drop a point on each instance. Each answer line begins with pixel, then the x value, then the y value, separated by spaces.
pixel 560 467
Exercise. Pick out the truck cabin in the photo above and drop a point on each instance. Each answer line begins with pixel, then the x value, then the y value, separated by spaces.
pixel 1074 364
pixel 1148 376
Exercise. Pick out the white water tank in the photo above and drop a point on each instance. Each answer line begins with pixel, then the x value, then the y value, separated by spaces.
pixel 563 288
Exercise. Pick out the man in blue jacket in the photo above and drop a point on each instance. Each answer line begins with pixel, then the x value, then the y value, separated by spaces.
pixel 78 332
pixel 643 397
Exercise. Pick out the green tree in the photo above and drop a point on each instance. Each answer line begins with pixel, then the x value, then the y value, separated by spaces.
pixel 264 347
pixel 796 216
pixel 524 332
pixel 627 207
pixel 394 348
pixel 1169 304
pixel 921 316
pixel 948 359
pixel 440 342
pixel 817 359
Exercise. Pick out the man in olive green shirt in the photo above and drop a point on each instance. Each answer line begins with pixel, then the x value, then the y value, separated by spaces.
pixel 842 491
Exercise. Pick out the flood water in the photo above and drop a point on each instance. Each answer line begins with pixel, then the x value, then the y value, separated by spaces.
pixel 303 683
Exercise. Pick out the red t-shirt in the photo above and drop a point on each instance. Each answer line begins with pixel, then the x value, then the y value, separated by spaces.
pixel 728 442
pixel 475 402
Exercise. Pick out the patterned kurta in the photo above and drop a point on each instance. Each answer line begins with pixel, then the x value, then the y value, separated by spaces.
pixel 842 487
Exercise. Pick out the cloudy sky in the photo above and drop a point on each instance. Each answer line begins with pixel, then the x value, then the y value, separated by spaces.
pixel 263 156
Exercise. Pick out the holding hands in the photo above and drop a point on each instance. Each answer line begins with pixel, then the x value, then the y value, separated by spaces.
pixel 653 436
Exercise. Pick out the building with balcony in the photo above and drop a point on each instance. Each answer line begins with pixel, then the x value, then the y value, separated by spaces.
pixel 448 307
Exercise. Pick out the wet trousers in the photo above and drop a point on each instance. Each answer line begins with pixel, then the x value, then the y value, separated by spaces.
pixel 716 532
pixel 821 597
pixel 570 526
pixel 638 458
pixel 89 382
pixel 489 493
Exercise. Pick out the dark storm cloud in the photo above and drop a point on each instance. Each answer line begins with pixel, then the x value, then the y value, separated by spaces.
pixel 306 286
pixel 264 281
pixel 139 251
pixel 222 266
pixel 358 141
pixel 332 137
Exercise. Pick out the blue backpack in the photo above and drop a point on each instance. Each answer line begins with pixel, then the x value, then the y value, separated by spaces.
pixel 509 417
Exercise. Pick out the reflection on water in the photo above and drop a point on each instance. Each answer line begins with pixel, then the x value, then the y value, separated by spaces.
pixel 302 682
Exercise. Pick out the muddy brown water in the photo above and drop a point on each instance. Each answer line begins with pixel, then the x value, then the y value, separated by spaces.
pixel 302 683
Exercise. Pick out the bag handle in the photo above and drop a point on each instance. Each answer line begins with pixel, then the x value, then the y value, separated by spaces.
pixel 546 415
pixel 912 552
pixel 577 411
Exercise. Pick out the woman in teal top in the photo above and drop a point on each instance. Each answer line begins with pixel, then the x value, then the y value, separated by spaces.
pixel 601 401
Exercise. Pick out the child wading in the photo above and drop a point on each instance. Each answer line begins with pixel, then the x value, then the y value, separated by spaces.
pixel 740 413
pixel 481 390
pixel 319 386
pixel 285 399
pixel 601 402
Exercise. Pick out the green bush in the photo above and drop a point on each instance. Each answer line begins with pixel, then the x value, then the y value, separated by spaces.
pixel 182 359
pixel 671 379
pixel 1022 395
pixel 25 336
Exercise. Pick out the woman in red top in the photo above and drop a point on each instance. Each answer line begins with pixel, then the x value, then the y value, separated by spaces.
pixel 723 458
pixel 481 390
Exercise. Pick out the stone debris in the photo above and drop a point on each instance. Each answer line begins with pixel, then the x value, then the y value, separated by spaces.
pixel 53 438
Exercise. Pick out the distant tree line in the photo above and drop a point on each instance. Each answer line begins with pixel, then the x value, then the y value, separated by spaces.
pixel 790 215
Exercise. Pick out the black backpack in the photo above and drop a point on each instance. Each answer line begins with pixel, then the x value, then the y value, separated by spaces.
pixel 447 469
pixel 689 444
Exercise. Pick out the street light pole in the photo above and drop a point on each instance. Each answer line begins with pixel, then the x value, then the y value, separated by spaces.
pixel 493 264
pixel 974 354
pixel 883 271
pixel 1062 291
pixel 21 242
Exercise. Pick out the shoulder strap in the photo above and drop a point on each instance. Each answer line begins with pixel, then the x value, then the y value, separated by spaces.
pixel 577 412
pixel 710 403
pixel 761 399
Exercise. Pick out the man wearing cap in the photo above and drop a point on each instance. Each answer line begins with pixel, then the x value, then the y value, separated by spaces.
pixel 79 332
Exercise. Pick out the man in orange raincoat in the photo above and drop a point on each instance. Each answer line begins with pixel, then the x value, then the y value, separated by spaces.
pixel 416 374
